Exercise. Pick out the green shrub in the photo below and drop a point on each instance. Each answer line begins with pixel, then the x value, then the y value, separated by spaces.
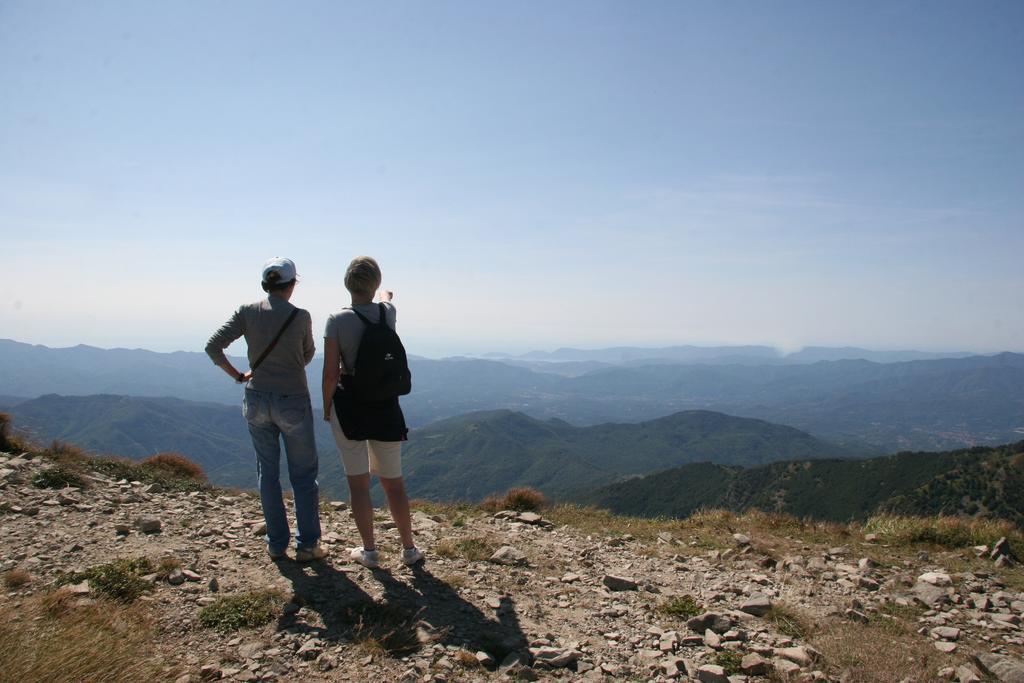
pixel 119 580
pixel 730 661
pixel 682 607
pixel 246 610
pixel 57 478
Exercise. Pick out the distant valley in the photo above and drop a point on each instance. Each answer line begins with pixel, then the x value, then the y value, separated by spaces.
pixel 871 407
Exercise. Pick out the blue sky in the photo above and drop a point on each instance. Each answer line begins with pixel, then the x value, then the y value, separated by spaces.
pixel 529 174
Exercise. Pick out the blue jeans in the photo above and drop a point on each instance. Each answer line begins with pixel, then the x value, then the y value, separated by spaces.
pixel 270 417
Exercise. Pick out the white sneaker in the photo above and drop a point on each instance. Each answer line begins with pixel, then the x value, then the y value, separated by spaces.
pixel 368 558
pixel 411 556
pixel 310 554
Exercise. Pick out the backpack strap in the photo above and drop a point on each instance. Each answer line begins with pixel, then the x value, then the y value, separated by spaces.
pixel 366 321
pixel 383 314
pixel 277 338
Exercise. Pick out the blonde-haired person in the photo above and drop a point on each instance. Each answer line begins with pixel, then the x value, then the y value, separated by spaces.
pixel 377 429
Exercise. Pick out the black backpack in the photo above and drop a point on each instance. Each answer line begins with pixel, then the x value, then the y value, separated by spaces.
pixel 381 371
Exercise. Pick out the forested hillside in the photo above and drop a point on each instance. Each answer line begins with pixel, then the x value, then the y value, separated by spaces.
pixel 986 482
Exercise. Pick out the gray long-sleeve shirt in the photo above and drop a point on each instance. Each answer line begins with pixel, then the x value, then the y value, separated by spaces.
pixel 283 371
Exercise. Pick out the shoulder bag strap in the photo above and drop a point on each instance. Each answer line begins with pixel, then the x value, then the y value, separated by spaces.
pixel 277 338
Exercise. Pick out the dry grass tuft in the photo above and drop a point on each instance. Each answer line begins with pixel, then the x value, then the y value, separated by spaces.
pixel 95 641
pixel 475 549
pixel 174 465
pixel 454 580
pixel 16 578
pixel 520 499
pixel 7 442
pixel 789 621
pixel 944 532
pixel 383 629
pixel 467 660
pixel 867 653
pixel 66 455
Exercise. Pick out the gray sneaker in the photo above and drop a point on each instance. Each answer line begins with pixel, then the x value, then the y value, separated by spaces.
pixel 411 556
pixel 310 554
pixel 368 558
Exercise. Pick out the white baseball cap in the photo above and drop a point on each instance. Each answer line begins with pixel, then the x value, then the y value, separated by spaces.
pixel 284 267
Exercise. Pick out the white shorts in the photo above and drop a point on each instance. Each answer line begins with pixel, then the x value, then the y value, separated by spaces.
pixel 383 458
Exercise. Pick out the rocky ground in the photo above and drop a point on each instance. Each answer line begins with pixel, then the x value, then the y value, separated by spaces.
pixel 568 595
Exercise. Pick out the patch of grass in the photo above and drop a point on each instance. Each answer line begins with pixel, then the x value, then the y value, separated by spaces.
pixel 166 565
pixel 173 465
pixel 865 653
pixel 245 610
pixel 383 629
pixel 710 529
pixel 453 580
pixel 450 511
pixel 682 607
pixel 942 532
pixel 84 642
pixel 57 478
pixel 730 661
pixel 16 578
pixel 905 612
pixel 171 472
pixel 520 499
pixel 789 621
pixel 474 549
pixel 119 580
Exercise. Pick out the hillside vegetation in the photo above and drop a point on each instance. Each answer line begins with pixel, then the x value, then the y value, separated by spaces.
pixel 983 482
pixel 469 457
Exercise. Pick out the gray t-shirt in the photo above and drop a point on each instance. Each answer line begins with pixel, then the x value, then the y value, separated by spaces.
pixel 346 328
pixel 283 370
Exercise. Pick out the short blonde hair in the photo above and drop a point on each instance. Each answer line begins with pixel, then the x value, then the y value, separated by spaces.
pixel 362 276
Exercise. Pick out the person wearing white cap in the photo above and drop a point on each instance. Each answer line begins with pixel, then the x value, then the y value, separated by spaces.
pixel 279 339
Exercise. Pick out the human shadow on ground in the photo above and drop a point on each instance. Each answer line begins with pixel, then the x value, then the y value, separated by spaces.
pixel 452 620
pixel 323 589
pixel 407 617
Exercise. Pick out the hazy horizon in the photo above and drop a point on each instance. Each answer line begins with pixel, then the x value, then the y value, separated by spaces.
pixel 587 174
pixel 238 349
